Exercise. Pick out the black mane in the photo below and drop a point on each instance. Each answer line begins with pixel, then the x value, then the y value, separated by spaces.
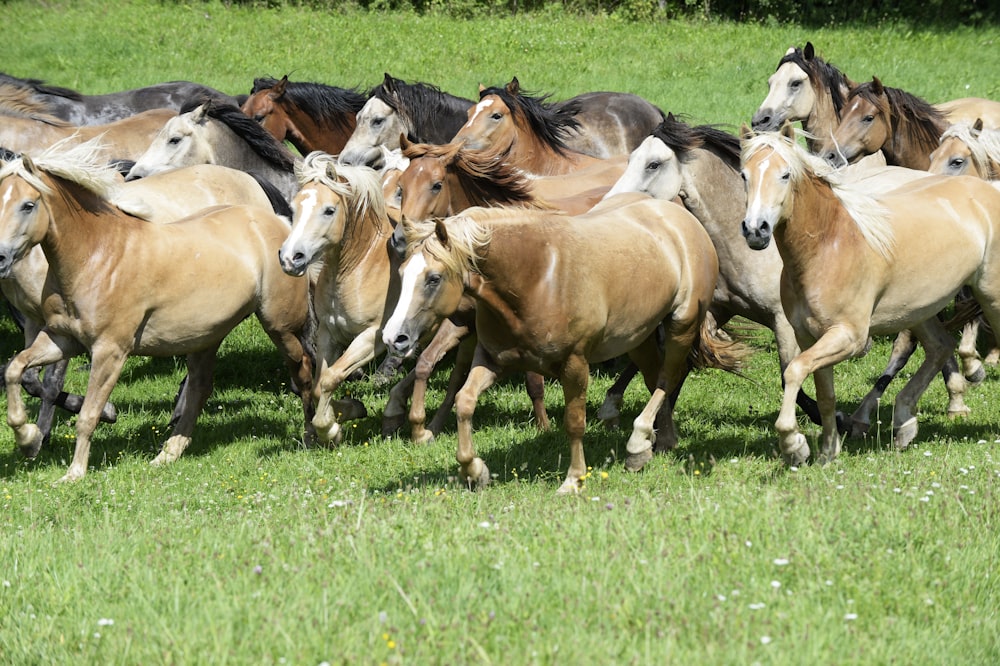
pixel 821 74
pixel 40 87
pixel 921 122
pixel 683 138
pixel 245 127
pixel 435 116
pixel 552 123
pixel 335 105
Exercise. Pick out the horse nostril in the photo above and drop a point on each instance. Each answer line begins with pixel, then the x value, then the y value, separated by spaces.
pixel 401 342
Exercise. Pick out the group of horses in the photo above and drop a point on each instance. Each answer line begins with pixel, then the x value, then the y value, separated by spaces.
pixel 536 236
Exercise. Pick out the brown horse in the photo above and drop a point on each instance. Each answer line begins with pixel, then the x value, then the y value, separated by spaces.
pixel 544 303
pixel 536 133
pixel 310 116
pixel 341 224
pixel 114 288
pixel 127 138
pixel 906 128
pixel 857 265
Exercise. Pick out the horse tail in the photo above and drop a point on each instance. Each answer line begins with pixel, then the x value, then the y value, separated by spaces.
pixel 715 349
pixel 278 202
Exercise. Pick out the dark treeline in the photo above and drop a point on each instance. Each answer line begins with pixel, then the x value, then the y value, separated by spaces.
pixel 944 13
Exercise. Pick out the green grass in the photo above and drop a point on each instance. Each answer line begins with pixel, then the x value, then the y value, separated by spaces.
pixel 251 549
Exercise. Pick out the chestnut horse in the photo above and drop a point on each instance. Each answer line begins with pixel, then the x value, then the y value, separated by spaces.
pixel 906 128
pixel 341 224
pixel 114 289
pixel 857 265
pixel 577 314
pixel 420 111
pixel 310 116
pixel 79 109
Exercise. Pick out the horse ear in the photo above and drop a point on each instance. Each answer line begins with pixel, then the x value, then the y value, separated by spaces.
pixel 788 131
pixel 453 149
pixel 28 164
pixel 279 88
pixel 809 52
pixel 514 87
pixel 200 113
pixel 745 132
pixel 877 86
pixel 978 125
pixel 441 232
pixel 481 88
pixel 670 117
pixel 404 143
pixel 331 170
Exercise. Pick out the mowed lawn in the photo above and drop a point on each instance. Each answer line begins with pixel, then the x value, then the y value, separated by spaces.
pixel 252 549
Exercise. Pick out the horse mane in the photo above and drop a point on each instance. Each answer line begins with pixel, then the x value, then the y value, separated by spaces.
pixel 485 175
pixel 551 123
pixel 915 117
pixel 424 107
pixel 467 240
pixel 871 217
pixel 80 163
pixel 359 186
pixel 21 102
pixel 331 104
pixel 683 138
pixel 984 146
pixel 257 138
pixel 821 75
pixel 39 87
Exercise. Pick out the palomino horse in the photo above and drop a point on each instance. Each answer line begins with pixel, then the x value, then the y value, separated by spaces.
pixel 856 265
pixel 581 313
pixel 968 149
pixel 114 289
pixel 701 165
pixel 340 222
pixel 78 109
pixel 419 111
pixel 596 124
pixel 310 116
pixel 161 198
pixel 218 134
pixel 903 126
pixel 127 138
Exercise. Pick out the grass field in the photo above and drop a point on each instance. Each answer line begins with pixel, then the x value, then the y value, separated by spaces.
pixel 254 550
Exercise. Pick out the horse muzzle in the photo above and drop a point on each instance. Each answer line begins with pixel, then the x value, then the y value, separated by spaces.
pixel 7 259
pixel 757 235
pixel 294 265
pixel 766 120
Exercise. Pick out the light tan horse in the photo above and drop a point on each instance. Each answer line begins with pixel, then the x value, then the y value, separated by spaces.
pixel 114 288
pixel 545 303
pixel 968 149
pixel 857 265
pixel 127 138
pixel 161 198
pixel 340 222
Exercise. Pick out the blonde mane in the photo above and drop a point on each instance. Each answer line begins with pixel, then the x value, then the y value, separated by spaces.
pixel 359 186
pixel 870 216
pixel 80 163
pixel 983 145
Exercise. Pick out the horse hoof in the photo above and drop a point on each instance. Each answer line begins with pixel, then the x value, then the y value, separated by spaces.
pixel 351 409
pixel 392 424
pixel 993 358
pixel 476 481
pixel 798 454
pixel 905 433
pixel 422 437
pixel 976 377
pixel 569 487
pixel 959 413
pixel 636 461
pixel 29 440
pixel 109 414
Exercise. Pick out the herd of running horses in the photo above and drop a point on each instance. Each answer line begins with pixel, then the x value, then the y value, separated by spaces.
pixel 535 236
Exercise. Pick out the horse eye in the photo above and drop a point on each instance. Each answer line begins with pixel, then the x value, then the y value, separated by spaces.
pixel 433 280
pixel 330 211
pixel 652 166
pixel 796 84
pixel 868 119
pixel 27 207
pixel 436 187
pixel 497 116
pixel 377 121
pixel 956 162
pixel 787 176
pixel 174 140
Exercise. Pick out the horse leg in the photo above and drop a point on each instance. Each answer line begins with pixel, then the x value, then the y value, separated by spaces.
pixel 459 373
pixel 43 350
pixel 329 412
pixel 197 386
pixel 394 414
pixel 653 429
pixel 448 336
pixel 534 384
pixel 938 345
pixel 833 346
pixel 788 348
pixel 574 379
pixel 52 383
pixel 106 365
pixel 609 412
pixel 472 469
pixel 902 348
pixel 955 382
pixel 972 365
pixel 298 356
pixel 826 400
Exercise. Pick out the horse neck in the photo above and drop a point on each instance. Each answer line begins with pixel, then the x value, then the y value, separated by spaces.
pixel 534 156
pixel 822 121
pixel 363 241
pixel 495 287
pixel 818 230
pixel 78 231
pixel 909 147
pixel 713 192
pixel 309 133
